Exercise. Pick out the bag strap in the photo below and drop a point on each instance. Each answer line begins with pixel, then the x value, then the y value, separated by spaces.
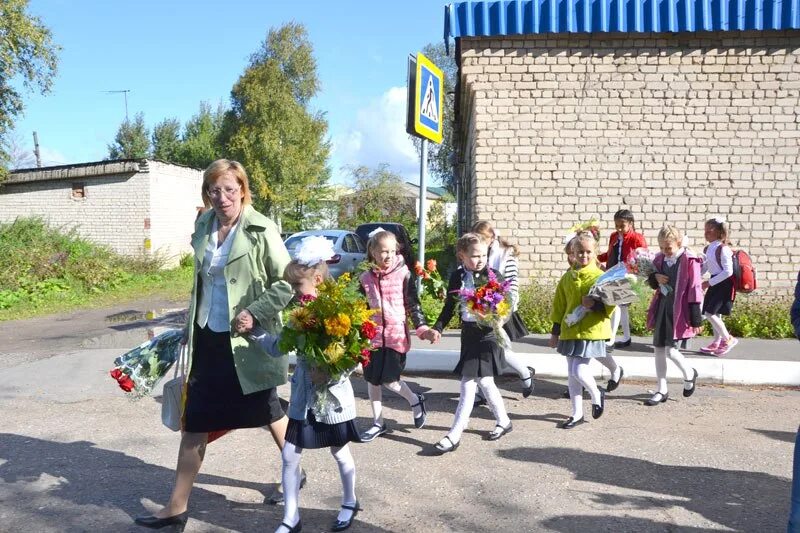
pixel 180 363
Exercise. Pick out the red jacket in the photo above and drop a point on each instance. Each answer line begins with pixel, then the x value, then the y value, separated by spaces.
pixel 630 242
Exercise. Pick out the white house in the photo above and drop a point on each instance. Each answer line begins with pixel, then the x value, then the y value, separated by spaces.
pixel 135 207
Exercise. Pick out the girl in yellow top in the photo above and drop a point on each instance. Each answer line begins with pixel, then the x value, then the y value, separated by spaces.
pixel 586 339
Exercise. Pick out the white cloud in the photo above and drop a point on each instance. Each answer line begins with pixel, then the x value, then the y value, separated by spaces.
pixel 378 135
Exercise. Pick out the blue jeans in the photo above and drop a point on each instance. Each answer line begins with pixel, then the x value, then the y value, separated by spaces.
pixel 794 513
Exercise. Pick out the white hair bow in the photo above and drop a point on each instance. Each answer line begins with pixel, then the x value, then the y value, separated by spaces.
pixel 719 219
pixel 374 232
pixel 314 250
pixel 569 237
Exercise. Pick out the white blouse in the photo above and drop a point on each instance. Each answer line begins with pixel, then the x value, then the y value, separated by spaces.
pixel 213 309
pixel 719 272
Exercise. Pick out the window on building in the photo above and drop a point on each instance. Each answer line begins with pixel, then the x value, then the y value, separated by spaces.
pixel 78 191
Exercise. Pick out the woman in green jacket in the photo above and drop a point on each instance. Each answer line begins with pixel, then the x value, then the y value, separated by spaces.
pixel 239 260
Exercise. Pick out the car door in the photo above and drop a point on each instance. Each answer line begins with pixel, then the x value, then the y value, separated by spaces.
pixel 351 255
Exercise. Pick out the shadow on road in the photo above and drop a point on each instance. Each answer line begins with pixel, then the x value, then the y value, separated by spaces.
pixel 737 499
pixel 784 436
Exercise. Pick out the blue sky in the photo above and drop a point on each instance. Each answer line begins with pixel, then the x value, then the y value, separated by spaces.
pixel 173 54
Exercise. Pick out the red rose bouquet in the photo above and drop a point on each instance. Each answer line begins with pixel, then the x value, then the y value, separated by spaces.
pixel 138 370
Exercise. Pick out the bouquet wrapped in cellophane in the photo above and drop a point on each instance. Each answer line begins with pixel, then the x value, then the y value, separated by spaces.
pixel 490 305
pixel 613 287
pixel 138 370
pixel 641 264
pixel 332 332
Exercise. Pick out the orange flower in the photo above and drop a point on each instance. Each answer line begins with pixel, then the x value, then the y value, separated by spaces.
pixel 418 268
pixel 431 265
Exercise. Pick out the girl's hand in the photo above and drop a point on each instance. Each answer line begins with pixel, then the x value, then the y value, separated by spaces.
pixel 553 341
pixel 244 322
pixel 587 302
pixel 318 377
pixel 662 279
pixel 705 285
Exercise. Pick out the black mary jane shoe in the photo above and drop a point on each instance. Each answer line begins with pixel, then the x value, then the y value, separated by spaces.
pixel 693 381
pixel 570 423
pixel 657 398
pixel 495 435
pixel 298 527
pixel 277 496
pixel 479 401
pixel 442 450
pixel 153 522
pixel 622 344
pixel 597 410
pixel 527 391
pixel 612 385
pixel 341 525
pixel 419 421
pixel 369 436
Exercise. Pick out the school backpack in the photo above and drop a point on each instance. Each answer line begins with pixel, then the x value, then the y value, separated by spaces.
pixel 744 272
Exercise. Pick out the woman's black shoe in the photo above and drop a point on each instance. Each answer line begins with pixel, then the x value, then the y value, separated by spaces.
pixel 495 435
pixel 622 344
pixel 570 423
pixel 153 522
pixel 612 385
pixel 298 527
pixel 527 391
pixel 419 421
pixel 341 525
pixel 693 381
pixel 441 449
pixel 597 410
pixel 657 398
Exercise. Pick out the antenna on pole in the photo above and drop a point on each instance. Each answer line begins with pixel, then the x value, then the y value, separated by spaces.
pixel 125 93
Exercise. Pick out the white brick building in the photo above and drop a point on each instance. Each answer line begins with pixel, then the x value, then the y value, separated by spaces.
pixel 134 207
pixel 560 117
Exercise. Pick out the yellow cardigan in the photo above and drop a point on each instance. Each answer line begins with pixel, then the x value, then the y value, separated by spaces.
pixel 571 289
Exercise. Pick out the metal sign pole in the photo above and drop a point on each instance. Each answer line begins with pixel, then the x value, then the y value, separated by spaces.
pixel 423 191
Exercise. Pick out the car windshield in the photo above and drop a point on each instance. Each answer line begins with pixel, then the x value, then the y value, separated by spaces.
pixel 293 242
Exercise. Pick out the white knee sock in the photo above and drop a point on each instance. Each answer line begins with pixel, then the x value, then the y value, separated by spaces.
pixel 586 378
pixel 720 331
pixel 517 364
pixel 680 361
pixel 661 368
pixel 465 401
pixel 575 396
pixel 401 388
pixel 625 321
pixel 347 471
pixel 291 483
pixel 375 398
pixel 611 364
pixel 615 318
pixel 494 399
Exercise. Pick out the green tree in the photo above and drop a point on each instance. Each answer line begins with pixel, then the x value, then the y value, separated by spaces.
pixel 166 140
pixel 440 155
pixel 132 140
pixel 378 195
pixel 201 143
pixel 271 130
pixel 27 54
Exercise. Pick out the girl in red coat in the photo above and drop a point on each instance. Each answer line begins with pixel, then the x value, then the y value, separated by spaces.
pixel 621 245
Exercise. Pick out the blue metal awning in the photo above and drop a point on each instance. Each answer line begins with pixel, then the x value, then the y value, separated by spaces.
pixel 520 17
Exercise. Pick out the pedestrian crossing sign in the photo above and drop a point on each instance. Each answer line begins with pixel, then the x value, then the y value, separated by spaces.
pixel 428 100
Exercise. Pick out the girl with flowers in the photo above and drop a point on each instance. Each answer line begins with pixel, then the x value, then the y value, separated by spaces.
pixel 391 290
pixel 321 373
pixel 584 340
pixel 481 349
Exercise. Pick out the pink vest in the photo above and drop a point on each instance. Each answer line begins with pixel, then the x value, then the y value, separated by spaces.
pixel 385 290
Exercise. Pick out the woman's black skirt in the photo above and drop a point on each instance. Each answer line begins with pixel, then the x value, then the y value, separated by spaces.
pixel 311 434
pixel 480 352
pixel 515 328
pixel 385 366
pixel 214 399
pixel 719 298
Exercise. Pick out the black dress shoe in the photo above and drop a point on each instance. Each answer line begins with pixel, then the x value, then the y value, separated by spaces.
pixel 370 435
pixel 527 391
pixel 693 381
pixel 179 520
pixel 622 344
pixel 597 410
pixel 612 385
pixel 341 525
pixel 298 527
pixel 277 496
pixel 495 435
pixel 419 421
pixel 570 423
pixel 479 400
pixel 441 449
pixel 657 398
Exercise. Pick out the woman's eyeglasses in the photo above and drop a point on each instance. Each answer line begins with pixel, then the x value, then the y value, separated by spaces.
pixel 229 192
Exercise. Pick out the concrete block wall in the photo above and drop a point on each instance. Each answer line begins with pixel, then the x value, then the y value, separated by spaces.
pixel 677 128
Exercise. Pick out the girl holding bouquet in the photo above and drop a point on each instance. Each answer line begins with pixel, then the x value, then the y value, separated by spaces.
pixel 674 311
pixel 586 339
pixel 503 258
pixel 720 294
pixel 336 428
pixel 620 245
pixel 390 288
pixel 481 351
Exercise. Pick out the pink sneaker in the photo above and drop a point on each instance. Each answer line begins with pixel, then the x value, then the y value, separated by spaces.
pixel 726 346
pixel 712 348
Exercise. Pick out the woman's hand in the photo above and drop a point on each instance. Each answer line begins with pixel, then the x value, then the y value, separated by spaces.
pixel 318 377
pixel 587 302
pixel 705 285
pixel 244 322
pixel 662 279
pixel 553 341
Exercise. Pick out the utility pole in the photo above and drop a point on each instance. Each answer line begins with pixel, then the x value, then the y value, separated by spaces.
pixel 125 94
pixel 36 150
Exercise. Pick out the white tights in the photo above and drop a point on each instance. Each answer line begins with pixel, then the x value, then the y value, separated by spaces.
pixel 467 399
pixel 376 398
pixel 515 362
pixel 720 331
pixel 581 377
pixel 291 481
pixel 620 316
pixel 675 355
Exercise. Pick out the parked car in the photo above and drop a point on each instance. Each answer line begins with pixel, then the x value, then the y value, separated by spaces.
pixel 404 241
pixel 348 247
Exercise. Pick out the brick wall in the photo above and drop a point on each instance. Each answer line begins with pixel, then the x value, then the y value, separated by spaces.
pixel 678 128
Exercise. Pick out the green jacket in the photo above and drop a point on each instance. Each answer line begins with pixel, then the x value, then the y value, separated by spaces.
pixel 254 274
pixel 571 289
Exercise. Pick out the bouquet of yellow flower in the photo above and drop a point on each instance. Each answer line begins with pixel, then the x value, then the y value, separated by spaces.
pixel 331 331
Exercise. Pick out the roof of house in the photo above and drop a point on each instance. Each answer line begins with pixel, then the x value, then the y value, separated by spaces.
pixel 520 17
pixel 94 169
